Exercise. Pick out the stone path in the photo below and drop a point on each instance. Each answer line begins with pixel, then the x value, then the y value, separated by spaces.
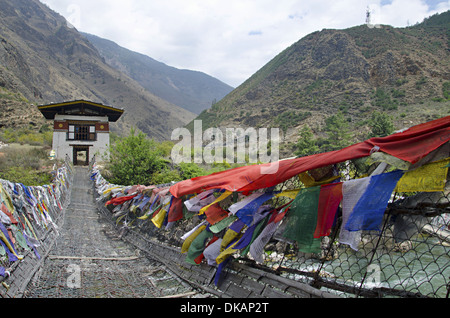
pixel 90 260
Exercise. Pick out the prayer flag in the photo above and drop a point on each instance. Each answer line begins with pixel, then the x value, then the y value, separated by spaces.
pixel 329 200
pixel 212 251
pixel 221 225
pixel 352 190
pixel 427 178
pixel 247 212
pixel 215 214
pixel 368 212
pixel 188 241
pixel 231 237
pixel 197 202
pixel 239 205
pixel 312 215
pixel 302 219
pixel 197 246
pixel 223 196
pixel 176 210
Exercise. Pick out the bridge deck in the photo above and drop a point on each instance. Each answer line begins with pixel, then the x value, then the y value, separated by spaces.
pixel 90 260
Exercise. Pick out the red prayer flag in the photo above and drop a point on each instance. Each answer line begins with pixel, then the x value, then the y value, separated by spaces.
pixel 329 199
pixel 176 210
pixel 215 214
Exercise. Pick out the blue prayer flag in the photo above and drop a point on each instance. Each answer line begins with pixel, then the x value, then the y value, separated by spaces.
pixel 368 212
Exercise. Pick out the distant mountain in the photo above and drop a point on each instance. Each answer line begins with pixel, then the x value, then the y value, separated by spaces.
pixel 43 60
pixel 404 72
pixel 191 90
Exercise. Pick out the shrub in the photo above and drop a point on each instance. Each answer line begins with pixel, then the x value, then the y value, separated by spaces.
pixel 25 165
pixel 446 90
pixel 134 159
pixel 381 125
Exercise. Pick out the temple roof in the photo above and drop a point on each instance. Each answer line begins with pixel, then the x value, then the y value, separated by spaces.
pixel 80 107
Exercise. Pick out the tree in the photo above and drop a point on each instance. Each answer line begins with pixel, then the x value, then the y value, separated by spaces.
pixel 381 125
pixel 306 144
pixel 338 131
pixel 134 159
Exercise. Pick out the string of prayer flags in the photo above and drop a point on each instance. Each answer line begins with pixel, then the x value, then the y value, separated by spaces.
pixel 368 212
pixel 427 178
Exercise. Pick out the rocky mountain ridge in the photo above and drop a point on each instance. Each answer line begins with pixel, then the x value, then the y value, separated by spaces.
pixel 44 60
pixel 191 90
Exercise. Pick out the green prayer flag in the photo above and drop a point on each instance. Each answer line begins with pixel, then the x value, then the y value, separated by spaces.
pixel 302 220
pixel 197 246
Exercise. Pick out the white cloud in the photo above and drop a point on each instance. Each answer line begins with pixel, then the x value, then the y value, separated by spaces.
pixel 228 39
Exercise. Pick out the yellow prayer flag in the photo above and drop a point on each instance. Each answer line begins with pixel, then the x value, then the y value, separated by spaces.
pixel 427 178
pixel 288 193
pixel 309 181
pixel 10 247
pixel 6 199
pixel 190 238
pixel 226 253
pixel 229 236
pixel 159 218
pixel 224 195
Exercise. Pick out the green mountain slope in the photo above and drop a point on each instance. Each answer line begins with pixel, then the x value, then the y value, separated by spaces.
pixel 403 72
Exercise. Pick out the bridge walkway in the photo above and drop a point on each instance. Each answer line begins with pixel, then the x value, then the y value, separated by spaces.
pixel 90 260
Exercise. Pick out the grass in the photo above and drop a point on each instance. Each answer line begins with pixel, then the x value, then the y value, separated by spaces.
pixel 25 158
pixel 25 164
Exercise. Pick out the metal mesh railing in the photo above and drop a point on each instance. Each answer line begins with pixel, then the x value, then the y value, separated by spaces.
pixel 409 257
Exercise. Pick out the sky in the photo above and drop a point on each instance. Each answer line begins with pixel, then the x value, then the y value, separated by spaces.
pixel 229 39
